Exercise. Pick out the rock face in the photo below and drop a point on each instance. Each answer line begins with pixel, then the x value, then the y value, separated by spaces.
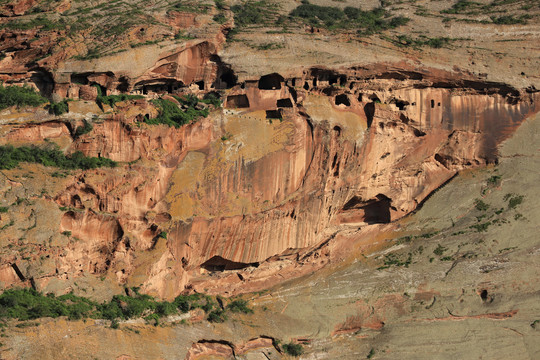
pixel 225 204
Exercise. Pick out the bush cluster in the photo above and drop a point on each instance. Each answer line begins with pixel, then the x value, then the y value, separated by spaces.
pixel 367 22
pixel 293 349
pixel 19 96
pixel 29 304
pixel 172 115
pixel 84 129
pixel 111 100
pixel 438 42
pixel 59 108
pixel 253 13
pixel 10 157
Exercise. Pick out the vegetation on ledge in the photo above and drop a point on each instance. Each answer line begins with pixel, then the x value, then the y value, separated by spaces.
pixel 19 96
pixel 366 22
pixel 29 304
pixel 10 157
pixel 172 115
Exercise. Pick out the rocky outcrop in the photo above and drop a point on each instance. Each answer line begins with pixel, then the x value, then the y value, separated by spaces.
pixel 261 190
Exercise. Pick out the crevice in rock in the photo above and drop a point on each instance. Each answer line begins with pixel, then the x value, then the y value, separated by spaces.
pixel 18 272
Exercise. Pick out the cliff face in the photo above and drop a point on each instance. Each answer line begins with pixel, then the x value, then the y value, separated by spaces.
pixel 263 187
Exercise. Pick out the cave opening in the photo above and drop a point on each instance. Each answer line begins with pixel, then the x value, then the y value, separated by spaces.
pixel 44 81
pixel 271 82
pixel 484 295
pixel 200 84
pixel 375 211
pixel 225 77
pixel 369 110
pixel 123 84
pixel 401 105
pixel 342 99
pixel 81 79
pixel 218 263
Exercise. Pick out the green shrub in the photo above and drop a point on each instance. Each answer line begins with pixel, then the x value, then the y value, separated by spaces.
pixel 461 6
pixel 510 20
pixel 217 316
pixel 111 100
pixel 239 306
pixel 439 250
pixel 28 304
pixel 170 114
pixel 59 108
pixel 84 129
pixel 480 205
pixel 515 201
pixel 38 22
pixel 220 18
pixel 4 209
pixel 293 349
pixel 10 157
pixel 19 96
